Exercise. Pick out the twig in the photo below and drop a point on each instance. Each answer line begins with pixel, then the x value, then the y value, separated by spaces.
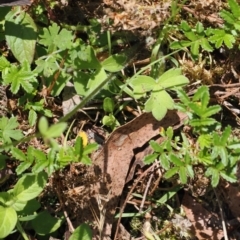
pixel 156 184
pixel 71 228
pixel 129 194
pixel 222 217
pixel 145 192
pixel 231 85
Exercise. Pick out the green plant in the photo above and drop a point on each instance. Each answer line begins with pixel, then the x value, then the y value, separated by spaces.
pixel 40 61
pixel 159 100
pixel 109 120
pixel 205 37
pixel 197 38
pixel 211 148
pixel 9 131
pixel 16 202
pixel 34 108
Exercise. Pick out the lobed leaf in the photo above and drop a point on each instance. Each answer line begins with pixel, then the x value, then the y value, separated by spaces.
pixel 235 8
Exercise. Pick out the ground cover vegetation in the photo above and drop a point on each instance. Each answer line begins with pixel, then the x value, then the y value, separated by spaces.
pixel 119 120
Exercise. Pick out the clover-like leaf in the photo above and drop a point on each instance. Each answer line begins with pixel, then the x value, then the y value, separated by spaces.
pixel 158 103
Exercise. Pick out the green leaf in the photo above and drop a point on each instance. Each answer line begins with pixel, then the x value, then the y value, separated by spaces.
pixel 202 122
pixel 199 28
pixel 183 175
pixel 214 176
pixel 204 140
pixel 206 45
pixel 227 16
pixel 53 38
pixel 190 171
pixel 191 36
pixel 87 59
pixel 30 186
pixel 82 232
pixel 195 48
pixel 6 199
pixel 184 26
pixel 39 155
pixel 4 63
pixel 8 129
pixel 180 44
pixel 30 207
pixel 90 148
pixel 32 117
pixel 220 37
pixel 164 161
pixel 20 77
pixel 150 158
pixel 96 79
pixel 78 147
pixel 170 79
pixel 110 121
pixel 222 152
pixel 183 96
pixel 171 172
pixel 19 205
pixel 43 126
pixel 156 147
pixel 211 110
pixel 169 194
pixel 142 84
pixel 108 105
pixel 23 167
pixel 18 154
pixel 55 130
pixel 234 146
pixel 80 83
pixel 8 221
pixel 229 177
pixel 158 104
pixel 86 160
pixel 174 159
pixel 114 63
pixel 199 93
pixel 40 166
pixel 225 135
pixel 44 223
pixel 235 8
pixel 20 31
pixel 41 161
pixel 46 66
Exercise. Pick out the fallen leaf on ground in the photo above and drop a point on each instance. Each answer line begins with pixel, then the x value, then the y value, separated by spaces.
pixel 114 160
pixel 205 225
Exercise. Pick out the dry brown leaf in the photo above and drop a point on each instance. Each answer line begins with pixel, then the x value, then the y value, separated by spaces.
pixel 232 196
pixel 205 225
pixel 114 160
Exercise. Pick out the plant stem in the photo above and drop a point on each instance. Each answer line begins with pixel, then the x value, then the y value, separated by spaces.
pixel 21 230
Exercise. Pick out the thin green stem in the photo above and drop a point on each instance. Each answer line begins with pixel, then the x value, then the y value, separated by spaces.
pixel 21 230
